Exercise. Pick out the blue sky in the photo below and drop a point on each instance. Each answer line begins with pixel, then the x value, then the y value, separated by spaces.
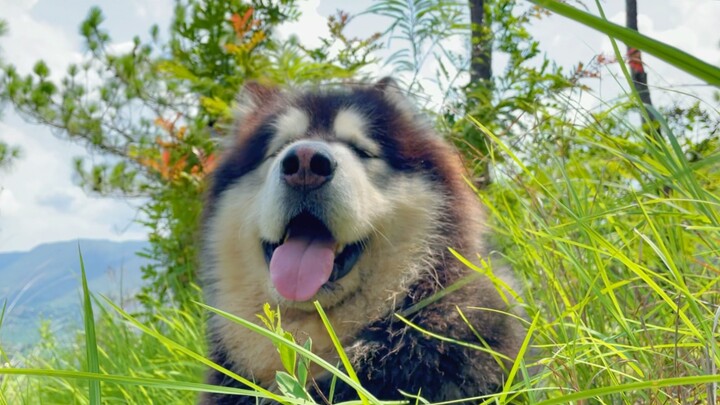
pixel 40 203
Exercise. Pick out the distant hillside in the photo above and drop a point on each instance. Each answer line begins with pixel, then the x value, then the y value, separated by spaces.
pixel 44 283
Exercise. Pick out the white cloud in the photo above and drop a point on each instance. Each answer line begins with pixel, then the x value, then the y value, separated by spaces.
pixel 309 28
pixel 59 199
pixel 8 203
pixel 153 9
pixel 120 48
pixel 39 202
pixel 29 39
pixel 21 4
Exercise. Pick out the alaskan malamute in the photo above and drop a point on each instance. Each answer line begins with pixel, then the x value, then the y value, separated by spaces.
pixel 346 196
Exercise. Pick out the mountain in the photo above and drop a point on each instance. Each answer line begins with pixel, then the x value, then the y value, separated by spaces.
pixel 45 284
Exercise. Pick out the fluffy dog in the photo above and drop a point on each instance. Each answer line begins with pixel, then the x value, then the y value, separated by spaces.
pixel 346 196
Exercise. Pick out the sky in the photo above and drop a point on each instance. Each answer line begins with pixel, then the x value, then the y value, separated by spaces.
pixel 40 201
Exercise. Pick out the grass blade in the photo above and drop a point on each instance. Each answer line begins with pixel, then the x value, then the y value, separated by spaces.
pixel 518 360
pixel 340 350
pixel 300 349
pixel 641 385
pixel 169 343
pixel 93 364
pixel 674 56
pixel 127 380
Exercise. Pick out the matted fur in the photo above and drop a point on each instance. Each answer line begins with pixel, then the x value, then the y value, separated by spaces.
pixel 399 188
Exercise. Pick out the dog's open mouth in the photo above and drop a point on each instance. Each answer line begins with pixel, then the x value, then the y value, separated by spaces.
pixel 308 258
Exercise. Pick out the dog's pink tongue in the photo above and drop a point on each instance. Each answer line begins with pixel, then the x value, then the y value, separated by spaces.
pixel 300 266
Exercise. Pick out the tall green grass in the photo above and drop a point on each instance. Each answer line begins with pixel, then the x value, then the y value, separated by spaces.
pixel 619 250
pixel 110 361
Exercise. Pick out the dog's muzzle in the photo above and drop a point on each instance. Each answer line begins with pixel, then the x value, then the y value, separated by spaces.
pixel 308 257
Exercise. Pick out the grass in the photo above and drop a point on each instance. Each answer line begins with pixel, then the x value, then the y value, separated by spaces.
pixel 93 363
pixel 130 367
pixel 612 231
pixel 623 273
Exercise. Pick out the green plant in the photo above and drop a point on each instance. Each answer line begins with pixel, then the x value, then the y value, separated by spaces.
pixel 8 153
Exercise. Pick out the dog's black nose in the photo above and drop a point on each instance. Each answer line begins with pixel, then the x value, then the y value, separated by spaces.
pixel 307 166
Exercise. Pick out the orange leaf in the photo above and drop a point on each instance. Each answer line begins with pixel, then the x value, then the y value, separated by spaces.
pixel 247 16
pixel 163 123
pixel 166 157
pixel 235 20
pixel 240 23
pixel 209 164
pixel 149 163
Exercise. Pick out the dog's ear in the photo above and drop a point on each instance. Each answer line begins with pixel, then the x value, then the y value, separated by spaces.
pixel 253 96
pixel 394 93
pixel 390 88
pixel 387 83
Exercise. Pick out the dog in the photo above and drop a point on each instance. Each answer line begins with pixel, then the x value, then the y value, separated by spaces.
pixel 346 196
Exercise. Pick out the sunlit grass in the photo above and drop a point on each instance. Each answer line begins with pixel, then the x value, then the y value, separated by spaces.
pixel 131 367
pixel 617 240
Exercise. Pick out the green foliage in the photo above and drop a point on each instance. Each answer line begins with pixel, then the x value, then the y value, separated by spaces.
pixel 508 102
pixel 8 153
pixel 623 278
pixel 293 381
pixel 279 337
pixel 134 368
pixel 697 130
pixel 93 365
pixel 147 370
pixel 418 30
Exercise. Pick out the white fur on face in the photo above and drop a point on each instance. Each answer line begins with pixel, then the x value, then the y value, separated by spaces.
pixel 350 126
pixel 291 125
pixel 366 200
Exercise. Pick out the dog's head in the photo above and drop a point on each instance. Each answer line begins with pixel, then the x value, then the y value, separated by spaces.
pixel 326 193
